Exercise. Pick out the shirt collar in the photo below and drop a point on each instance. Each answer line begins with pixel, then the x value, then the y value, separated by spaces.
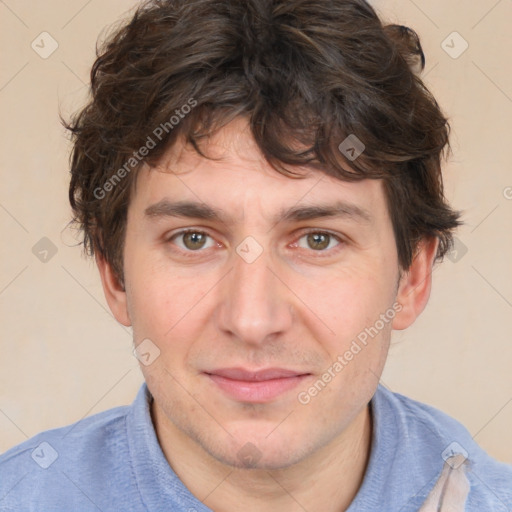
pixel 400 472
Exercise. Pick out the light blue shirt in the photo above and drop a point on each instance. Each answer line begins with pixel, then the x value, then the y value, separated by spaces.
pixel 112 462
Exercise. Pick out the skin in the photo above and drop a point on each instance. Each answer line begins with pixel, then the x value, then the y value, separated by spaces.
pixel 298 306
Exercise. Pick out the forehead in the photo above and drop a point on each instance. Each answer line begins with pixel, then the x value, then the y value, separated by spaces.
pixel 237 181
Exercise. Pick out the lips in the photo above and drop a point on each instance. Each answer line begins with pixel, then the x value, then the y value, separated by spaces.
pixel 255 386
pixel 251 376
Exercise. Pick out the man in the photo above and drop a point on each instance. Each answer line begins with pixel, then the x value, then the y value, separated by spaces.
pixel 260 184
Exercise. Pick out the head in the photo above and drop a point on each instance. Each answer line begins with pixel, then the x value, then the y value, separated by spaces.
pixel 265 114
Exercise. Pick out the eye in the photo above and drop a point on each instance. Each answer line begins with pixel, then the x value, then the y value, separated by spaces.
pixel 319 241
pixel 192 240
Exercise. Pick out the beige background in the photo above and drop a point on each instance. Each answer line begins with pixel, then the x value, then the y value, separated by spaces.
pixel 63 356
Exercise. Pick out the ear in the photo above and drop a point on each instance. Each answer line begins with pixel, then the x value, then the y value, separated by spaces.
pixel 415 284
pixel 114 291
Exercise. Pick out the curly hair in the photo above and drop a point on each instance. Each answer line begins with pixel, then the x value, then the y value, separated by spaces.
pixel 306 74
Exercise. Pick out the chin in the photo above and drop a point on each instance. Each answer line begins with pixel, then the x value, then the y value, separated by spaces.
pixel 259 452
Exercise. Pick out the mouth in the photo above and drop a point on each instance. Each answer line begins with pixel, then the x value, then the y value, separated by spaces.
pixel 256 386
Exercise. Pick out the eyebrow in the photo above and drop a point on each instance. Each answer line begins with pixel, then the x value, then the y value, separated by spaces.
pixel 195 210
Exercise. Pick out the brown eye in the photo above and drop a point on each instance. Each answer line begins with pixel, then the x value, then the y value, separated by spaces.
pixel 192 240
pixel 319 241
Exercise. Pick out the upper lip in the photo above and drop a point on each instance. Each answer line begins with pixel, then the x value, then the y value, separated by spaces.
pixel 258 375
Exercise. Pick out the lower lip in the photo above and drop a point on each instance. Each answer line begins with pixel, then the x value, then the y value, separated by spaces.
pixel 256 391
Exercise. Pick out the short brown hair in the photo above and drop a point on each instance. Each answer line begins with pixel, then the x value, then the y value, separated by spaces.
pixel 305 73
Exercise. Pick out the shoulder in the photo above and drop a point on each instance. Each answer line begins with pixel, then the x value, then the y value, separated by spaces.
pixel 92 431
pixel 67 465
pixel 430 432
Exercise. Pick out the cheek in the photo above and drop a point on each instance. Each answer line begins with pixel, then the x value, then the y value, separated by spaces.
pixel 172 307
pixel 338 307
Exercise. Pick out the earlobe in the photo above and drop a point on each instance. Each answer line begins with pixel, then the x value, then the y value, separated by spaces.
pixel 415 284
pixel 115 293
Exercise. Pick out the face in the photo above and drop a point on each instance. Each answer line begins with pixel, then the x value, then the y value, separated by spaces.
pixel 254 316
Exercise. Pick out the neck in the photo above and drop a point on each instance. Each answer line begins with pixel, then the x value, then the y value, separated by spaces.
pixel 327 480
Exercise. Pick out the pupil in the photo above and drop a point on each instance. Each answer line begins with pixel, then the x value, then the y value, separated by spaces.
pixel 320 240
pixel 197 239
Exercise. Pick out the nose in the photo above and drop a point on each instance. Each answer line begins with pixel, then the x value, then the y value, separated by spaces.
pixel 256 304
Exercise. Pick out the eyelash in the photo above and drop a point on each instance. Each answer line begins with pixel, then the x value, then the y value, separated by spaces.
pixel 192 254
